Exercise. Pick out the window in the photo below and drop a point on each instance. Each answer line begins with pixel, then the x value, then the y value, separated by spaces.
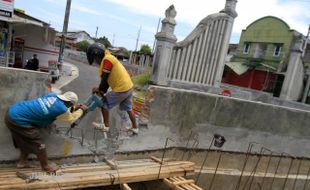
pixel 246 48
pixel 277 50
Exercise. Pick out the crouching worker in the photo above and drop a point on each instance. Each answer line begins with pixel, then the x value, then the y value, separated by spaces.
pixel 24 119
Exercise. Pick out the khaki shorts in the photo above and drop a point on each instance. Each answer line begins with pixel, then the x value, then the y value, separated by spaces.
pixel 27 139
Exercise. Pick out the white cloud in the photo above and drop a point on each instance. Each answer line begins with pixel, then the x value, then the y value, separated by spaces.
pixel 295 13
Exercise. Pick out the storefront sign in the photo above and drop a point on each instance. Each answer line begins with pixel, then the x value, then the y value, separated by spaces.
pixel 6 8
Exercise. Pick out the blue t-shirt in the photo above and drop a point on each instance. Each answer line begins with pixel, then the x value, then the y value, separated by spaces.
pixel 39 112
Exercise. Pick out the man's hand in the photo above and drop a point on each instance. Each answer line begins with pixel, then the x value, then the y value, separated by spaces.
pixel 84 108
pixel 96 91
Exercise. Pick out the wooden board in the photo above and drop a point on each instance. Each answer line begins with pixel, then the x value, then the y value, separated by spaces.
pixel 94 175
pixel 180 183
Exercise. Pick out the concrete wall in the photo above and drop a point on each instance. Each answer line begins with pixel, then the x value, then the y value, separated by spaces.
pixel 180 112
pixel 17 85
pixel 76 55
pixel 241 93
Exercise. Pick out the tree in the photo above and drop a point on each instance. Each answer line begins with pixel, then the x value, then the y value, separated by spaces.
pixel 105 41
pixel 125 51
pixel 145 49
pixel 83 45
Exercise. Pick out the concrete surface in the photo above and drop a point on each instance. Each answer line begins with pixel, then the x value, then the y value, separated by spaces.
pixel 176 113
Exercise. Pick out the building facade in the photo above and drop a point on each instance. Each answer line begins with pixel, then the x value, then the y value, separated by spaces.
pixel 266 59
pixel 22 36
pixel 74 37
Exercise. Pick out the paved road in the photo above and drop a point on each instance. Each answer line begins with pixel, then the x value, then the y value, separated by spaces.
pixel 82 86
pixel 88 78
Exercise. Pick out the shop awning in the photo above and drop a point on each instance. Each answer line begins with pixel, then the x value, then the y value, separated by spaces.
pixel 15 19
pixel 238 67
pixel 18 19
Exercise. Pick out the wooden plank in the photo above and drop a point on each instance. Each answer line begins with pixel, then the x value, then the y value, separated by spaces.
pixel 126 186
pixel 157 160
pixel 95 178
pixel 185 186
pixel 111 164
pixel 192 184
pixel 170 184
pixel 188 181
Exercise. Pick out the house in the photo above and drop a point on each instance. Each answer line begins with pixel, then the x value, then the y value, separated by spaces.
pixel 268 58
pixel 22 36
pixel 74 37
pixel 70 41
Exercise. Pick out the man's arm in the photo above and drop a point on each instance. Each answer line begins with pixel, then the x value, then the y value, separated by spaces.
pixel 106 70
pixel 104 86
pixel 71 117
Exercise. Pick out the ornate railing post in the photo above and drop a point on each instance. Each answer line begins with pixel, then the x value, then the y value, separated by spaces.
pixel 230 9
pixel 165 42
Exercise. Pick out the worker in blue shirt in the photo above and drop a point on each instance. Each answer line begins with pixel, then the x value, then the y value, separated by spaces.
pixel 25 118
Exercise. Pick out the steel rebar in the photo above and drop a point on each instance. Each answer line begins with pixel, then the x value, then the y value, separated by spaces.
pixel 164 152
pixel 255 168
pixel 275 173
pixel 213 177
pixel 298 170
pixel 189 138
pixel 204 161
pixel 305 185
pixel 288 172
pixel 250 146
pixel 268 163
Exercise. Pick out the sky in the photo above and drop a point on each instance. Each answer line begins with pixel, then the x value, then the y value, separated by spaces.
pixel 121 21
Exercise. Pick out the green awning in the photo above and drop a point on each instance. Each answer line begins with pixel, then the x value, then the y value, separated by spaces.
pixel 238 67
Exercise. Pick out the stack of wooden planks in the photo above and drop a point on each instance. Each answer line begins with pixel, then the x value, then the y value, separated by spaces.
pixel 180 183
pixel 94 174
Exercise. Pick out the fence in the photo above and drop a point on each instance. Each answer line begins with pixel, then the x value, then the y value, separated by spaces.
pixel 200 57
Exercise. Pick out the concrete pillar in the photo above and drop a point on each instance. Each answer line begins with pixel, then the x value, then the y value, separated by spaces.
pixel 293 81
pixel 306 90
pixel 165 42
pixel 230 9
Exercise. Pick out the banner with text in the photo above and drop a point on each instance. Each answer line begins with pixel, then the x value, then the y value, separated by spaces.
pixel 6 8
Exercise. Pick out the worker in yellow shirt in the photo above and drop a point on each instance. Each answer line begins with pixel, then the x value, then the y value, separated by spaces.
pixel 113 74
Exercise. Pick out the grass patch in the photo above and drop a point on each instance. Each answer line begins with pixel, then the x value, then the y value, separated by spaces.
pixel 143 78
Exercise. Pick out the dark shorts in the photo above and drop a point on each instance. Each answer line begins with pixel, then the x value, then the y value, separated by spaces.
pixel 27 139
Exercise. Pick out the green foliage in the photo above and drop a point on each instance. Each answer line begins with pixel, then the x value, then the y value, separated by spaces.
pixel 145 49
pixel 83 45
pixel 126 52
pixel 105 41
pixel 142 79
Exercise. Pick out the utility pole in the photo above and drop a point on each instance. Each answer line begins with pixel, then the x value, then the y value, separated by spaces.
pixel 138 37
pixel 64 32
pixel 113 39
pixel 153 49
pixel 96 32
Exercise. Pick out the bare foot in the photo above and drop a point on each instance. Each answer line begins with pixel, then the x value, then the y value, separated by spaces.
pixel 50 168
